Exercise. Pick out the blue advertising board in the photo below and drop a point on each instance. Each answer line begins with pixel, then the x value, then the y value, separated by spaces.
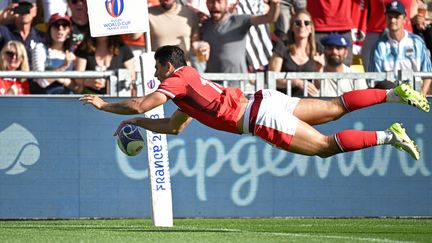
pixel 59 159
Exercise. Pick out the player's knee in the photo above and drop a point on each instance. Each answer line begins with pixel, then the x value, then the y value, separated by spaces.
pixel 335 108
pixel 325 148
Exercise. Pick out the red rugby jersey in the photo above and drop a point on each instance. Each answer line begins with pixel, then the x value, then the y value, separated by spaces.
pixel 204 100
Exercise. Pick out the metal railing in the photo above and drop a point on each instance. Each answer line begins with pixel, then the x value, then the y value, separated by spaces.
pixel 414 78
pixel 248 82
pixel 117 79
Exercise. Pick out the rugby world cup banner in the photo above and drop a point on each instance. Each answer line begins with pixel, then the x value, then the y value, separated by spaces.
pixel 113 17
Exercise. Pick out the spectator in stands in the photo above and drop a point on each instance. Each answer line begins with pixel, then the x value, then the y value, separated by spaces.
pixel 287 9
pixel 80 22
pixel 332 16
pixel 297 53
pixel 100 54
pixel 51 7
pixel 258 40
pixel 14 58
pixel 226 34
pixel 422 24
pixel 173 24
pixel 55 55
pixel 21 29
pixel 335 52
pixel 6 11
pixel 137 43
pixel 398 49
pixel 376 24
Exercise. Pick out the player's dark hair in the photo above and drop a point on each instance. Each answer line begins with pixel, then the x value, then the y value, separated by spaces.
pixel 172 54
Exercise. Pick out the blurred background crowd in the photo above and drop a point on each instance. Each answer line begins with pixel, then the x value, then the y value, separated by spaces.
pixel 222 36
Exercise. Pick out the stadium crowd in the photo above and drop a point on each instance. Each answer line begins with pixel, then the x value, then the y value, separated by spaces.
pixel 221 36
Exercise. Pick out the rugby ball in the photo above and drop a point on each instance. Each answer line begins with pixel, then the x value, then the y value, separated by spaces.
pixel 130 140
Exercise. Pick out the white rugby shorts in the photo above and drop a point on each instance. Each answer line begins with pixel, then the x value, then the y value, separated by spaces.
pixel 269 115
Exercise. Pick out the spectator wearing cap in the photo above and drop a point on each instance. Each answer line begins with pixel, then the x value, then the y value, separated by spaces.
pixel 21 29
pixel 335 52
pixel 376 24
pixel 399 50
pixel 55 55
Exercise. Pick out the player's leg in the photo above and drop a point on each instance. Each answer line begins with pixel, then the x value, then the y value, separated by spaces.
pixel 308 141
pixel 274 121
pixel 314 111
pixel 317 111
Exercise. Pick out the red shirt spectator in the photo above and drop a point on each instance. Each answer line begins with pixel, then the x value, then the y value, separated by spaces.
pixel 330 15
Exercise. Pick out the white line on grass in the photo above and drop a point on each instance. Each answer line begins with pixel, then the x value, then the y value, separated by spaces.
pixel 384 240
pixel 335 237
pixel 338 237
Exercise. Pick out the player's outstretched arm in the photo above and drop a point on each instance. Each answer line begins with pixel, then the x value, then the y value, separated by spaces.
pixel 172 125
pixel 129 106
pixel 270 17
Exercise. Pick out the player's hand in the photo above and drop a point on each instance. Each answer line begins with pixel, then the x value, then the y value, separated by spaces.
pixel 94 100
pixel 122 123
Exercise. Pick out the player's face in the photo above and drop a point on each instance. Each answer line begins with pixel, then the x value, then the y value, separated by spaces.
pixel 163 71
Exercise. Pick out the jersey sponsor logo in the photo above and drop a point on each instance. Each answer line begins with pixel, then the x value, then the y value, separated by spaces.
pixel 114 7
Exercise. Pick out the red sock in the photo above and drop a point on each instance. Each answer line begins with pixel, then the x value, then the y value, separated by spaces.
pixel 358 99
pixel 351 140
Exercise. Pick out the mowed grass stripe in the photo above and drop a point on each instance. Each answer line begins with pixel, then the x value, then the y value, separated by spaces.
pixel 219 230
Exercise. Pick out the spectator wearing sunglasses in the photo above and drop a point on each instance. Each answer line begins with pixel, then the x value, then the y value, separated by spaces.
pixel 13 57
pixel 55 55
pixel 21 29
pixel 287 9
pixel 80 21
pixel 296 52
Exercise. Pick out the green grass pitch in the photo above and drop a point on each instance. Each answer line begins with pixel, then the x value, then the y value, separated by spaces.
pixel 389 230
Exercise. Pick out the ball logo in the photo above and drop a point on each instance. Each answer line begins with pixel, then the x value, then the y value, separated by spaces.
pixel 151 84
pixel 114 7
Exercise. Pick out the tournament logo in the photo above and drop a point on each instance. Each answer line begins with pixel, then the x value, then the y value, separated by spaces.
pixel 114 7
pixel 151 84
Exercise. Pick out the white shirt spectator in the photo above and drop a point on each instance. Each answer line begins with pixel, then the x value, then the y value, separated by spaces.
pixel 336 87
